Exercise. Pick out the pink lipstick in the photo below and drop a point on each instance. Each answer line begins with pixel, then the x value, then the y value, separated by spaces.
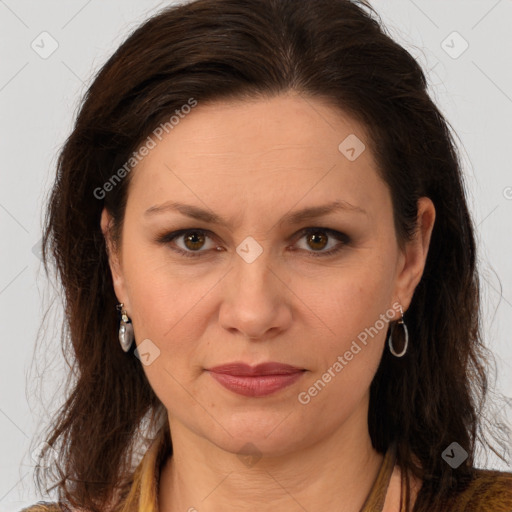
pixel 255 381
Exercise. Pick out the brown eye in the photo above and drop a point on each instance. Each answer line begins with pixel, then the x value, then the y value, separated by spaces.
pixel 194 240
pixel 187 242
pixel 317 240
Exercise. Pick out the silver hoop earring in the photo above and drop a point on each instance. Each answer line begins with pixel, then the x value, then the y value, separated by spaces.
pixel 406 333
pixel 125 329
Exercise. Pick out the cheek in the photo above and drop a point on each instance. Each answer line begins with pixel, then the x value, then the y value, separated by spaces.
pixel 357 296
pixel 357 311
pixel 157 298
pixel 171 305
pixel 165 310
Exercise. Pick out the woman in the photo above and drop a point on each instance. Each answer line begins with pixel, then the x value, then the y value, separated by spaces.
pixel 260 225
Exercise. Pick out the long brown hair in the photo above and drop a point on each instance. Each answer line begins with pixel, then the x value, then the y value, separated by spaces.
pixel 208 50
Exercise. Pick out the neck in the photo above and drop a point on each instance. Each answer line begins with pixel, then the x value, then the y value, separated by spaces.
pixel 335 474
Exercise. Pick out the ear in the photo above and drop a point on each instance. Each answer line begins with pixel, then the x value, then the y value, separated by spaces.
pixel 114 258
pixel 414 256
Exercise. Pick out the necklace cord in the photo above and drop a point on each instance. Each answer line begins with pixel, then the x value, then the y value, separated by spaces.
pixel 377 495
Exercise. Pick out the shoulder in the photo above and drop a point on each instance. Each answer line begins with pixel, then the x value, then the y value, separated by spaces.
pixel 488 490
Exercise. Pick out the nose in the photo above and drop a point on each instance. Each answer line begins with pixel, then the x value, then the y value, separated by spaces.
pixel 256 299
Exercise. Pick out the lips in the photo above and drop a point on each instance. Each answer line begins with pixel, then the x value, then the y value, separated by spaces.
pixel 256 381
pixel 243 369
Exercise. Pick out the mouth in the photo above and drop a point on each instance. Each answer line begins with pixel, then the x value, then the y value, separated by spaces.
pixel 256 381
pixel 244 369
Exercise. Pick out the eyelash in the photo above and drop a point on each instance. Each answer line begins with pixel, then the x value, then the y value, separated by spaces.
pixel 342 237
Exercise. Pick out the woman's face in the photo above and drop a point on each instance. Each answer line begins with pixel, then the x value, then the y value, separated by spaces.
pixel 249 285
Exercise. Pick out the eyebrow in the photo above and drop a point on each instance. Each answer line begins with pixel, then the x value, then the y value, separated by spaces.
pixel 306 214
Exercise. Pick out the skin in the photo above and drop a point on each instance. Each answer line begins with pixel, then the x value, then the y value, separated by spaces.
pixel 251 163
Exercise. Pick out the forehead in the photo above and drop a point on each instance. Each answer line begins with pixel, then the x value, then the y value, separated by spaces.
pixel 286 149
pixel 243 128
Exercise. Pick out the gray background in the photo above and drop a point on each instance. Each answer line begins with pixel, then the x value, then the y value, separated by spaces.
pixel 39 94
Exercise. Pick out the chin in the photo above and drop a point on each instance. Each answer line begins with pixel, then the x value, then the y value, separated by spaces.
pixel 264 436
